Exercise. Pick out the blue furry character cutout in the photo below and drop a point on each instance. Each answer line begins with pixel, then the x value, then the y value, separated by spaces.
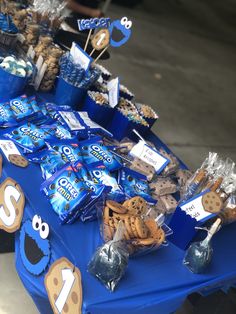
pixel 120 32
pixel 34 245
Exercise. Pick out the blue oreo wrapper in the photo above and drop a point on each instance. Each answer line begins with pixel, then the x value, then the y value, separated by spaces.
pixel 57 131
pixel 21 107
pixel 68 149
pixel 101 175
pixel 66 192
pixel 135 184
pixel 80 123
pixel 89 211
pixel 50 162
pixel 93 151
pixel 6 115
pixel 28 136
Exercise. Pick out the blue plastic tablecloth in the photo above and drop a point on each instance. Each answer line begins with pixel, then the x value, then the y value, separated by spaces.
pixel 155 283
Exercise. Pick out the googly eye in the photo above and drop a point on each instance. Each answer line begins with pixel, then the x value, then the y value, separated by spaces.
pixel 128 24
pixel 36 223
pixel 44 231
pixel 124 20
pixel 97 173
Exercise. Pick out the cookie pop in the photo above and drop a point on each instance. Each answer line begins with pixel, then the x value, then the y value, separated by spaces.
pixel 199 254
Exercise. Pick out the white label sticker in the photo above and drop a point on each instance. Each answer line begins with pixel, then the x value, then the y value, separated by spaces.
pixel 71 120
pixel 84 116
pixel 114 90
pixel 195 209
pixel 80 56
pixel 150 156
pixel 8 148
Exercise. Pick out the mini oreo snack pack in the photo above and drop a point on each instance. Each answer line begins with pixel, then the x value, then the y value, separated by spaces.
pixel 50 162
pixel 66 192
pixel 28 136
pixel 7 118
pixel 97 189
pixel 101 175
pixel 69 149
pixel 135 184
pixel 93 150
pixel 22 107
pixel 80 123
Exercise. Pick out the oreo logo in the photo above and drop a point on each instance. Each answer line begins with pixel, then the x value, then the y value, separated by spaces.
pixel 31 133
pixel 66 186
pixel 67 152
pixel 18 104
pixel 100 154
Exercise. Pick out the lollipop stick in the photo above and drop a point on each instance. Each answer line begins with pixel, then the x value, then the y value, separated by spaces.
pixel 99 56
pixel 87 41
pixel 141 138
pixel 92 52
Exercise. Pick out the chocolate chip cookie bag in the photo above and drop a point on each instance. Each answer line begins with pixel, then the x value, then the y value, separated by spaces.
pixel 110 261
pixel 197 182
pixel 144 231
pixel 228 214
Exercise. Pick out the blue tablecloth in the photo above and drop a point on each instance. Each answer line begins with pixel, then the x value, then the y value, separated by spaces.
pixel 156 283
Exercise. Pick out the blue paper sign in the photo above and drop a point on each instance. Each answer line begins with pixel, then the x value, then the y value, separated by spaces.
pixel 120 32
pixel 93 23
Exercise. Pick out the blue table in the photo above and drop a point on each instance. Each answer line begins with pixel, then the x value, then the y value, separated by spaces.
pixel 156 283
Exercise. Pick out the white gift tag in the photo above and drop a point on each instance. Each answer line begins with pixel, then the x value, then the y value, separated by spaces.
pixel 150 156
pixel 8 148
pixel 195 209
pixel 113 87
pixel 80 56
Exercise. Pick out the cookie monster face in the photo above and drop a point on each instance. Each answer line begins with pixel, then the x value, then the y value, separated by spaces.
pixel 120 31
pixel 34 246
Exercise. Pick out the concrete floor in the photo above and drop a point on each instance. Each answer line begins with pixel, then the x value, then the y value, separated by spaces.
pixel 185 69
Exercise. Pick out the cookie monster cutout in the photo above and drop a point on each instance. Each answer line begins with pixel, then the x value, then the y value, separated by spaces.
pixel 120 32
pixel 34 245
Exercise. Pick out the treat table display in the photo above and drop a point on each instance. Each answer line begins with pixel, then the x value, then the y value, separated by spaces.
pixel 157 282
pixel 95 199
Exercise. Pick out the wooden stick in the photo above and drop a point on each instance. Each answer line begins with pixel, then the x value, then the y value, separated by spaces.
pixel 99 56
pixel 87 41
pixel 92 52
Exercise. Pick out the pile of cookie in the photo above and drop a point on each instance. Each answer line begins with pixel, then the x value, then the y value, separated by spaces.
pixel 140 232
pixel 128 109
pixel 99 98
pixel 147 111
